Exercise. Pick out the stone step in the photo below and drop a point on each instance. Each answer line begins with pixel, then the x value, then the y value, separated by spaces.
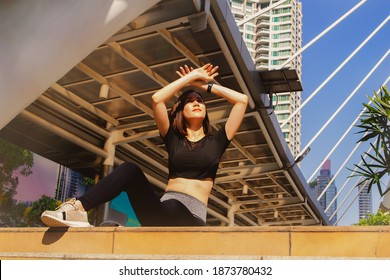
pixel 196 243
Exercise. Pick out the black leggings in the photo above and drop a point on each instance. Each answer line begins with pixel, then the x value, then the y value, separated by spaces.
pixel 129 178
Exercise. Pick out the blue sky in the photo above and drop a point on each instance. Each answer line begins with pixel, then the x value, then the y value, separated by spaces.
pixel 319 61
pixel 323 58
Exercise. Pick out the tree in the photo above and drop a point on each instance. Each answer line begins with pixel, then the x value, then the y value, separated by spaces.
pixel 33 214
pixel 14 162
pixel 16 217
pixel 375 124
pixel 380 219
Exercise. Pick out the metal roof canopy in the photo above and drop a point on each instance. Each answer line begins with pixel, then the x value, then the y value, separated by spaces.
pixel 101 108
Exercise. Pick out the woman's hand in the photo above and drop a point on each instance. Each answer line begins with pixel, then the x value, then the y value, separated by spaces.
pixel 205 74
pixel 202 75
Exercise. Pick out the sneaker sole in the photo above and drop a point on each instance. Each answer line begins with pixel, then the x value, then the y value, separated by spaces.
pixel 53 222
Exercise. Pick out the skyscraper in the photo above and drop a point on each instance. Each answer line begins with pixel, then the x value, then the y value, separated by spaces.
pixel 272 37
pixel 365 203
pixel 323 183
pixel 69 184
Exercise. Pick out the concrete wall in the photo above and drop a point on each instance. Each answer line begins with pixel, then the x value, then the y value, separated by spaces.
pixel 42 40
pixel 187 243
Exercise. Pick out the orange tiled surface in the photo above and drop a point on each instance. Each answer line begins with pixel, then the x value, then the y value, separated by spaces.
pixel 373 242
pixel 256 242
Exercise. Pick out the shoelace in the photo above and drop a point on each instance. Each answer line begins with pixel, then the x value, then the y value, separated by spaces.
pixel 68 205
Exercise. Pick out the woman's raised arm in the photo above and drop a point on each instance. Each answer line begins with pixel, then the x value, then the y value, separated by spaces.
pixel 239 100
pixel 160 98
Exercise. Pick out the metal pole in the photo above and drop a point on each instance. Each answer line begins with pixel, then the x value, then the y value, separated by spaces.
pixel 342 203
pixel 323 33
pixel 108 166
pixel 335 72
pixel 341 167
pixel 344 185
pixel 349 193
pixel 337 144
pixel 342 138
pixel 342 215
pixel 347 100
pixel 104 210
pixel 338 171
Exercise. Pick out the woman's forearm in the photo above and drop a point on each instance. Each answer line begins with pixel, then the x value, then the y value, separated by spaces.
pixel 165 93
pixel 230 95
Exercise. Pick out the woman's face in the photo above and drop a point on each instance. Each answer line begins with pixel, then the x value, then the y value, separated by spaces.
pixel 194 107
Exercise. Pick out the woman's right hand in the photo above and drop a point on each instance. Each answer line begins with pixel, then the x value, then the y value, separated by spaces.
pixel 202 75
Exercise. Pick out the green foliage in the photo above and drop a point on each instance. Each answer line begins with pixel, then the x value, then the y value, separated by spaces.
pixel 313 183
pixel 14 161
pixel 14 216
pixel 375 124
pixel 33 216
pixel 379 219
pixel 87 181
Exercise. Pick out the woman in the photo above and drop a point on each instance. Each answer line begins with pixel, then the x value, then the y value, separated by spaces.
pixel 194 154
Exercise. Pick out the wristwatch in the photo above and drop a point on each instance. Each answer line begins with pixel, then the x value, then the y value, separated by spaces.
pixel 209 86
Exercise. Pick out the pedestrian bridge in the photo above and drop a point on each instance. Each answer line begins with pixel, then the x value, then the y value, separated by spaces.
pixel 84 102
pixel 316 242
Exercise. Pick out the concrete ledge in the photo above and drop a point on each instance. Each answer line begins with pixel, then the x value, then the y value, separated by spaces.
pixel 195 243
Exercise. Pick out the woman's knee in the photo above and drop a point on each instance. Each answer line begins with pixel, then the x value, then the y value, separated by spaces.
pixel 125 177
pixel 130 168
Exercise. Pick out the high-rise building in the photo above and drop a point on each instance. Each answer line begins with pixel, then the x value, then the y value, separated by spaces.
pixel 365 203
pixel 319 185
pixel 69 184
pixel 272 37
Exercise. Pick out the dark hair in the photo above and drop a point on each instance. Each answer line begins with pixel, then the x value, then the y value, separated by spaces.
pixel 176 116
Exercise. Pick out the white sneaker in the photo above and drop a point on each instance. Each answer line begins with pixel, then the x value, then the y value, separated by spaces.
pixel 68 214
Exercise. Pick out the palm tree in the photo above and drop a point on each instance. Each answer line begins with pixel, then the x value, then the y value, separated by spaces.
pixel 375 124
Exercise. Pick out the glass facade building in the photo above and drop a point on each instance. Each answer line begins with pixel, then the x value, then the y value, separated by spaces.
pixel 69 184
pixel 319 185
pixel 272 37
pixel 365 204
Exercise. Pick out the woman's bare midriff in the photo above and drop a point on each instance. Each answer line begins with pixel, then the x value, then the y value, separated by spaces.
pixel 200 189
